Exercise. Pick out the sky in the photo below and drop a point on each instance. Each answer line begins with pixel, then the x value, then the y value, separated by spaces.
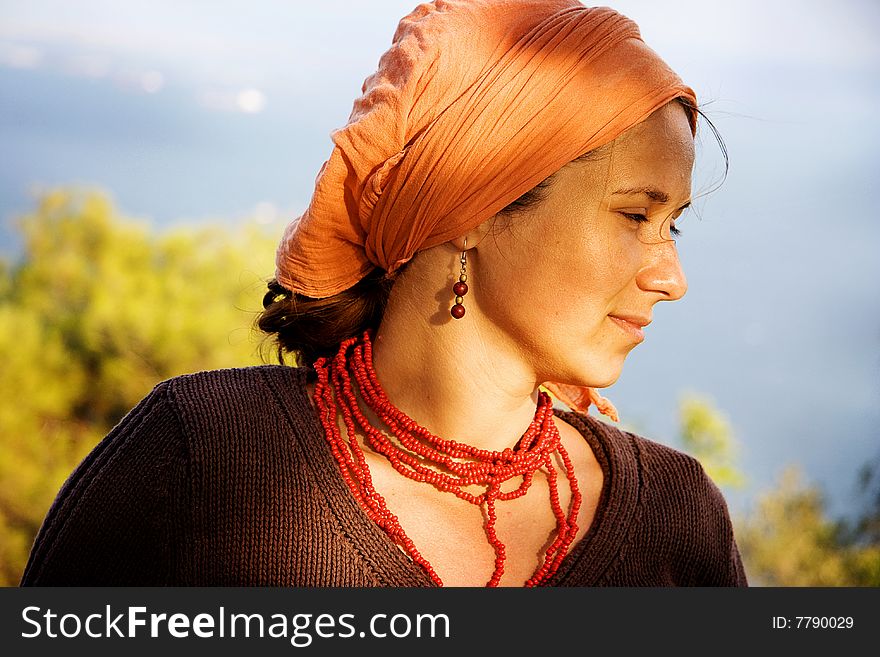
pixel 222 111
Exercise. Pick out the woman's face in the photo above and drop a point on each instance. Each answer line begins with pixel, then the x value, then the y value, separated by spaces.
pixel 598 247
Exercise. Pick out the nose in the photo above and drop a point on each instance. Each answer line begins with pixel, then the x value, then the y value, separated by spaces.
pixel 663 273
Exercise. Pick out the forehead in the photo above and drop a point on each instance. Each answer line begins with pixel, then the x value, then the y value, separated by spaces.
pixel 657 151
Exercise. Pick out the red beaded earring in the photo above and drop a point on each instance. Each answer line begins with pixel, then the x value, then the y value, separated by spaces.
pixel 460 288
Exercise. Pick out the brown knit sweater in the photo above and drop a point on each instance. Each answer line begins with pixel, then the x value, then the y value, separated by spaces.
pixel 224 478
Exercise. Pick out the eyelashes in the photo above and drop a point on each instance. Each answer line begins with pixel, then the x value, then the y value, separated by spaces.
pixel 675 232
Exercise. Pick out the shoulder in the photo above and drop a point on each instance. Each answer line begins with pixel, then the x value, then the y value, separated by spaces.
pixel 129 511
pixel 658 466
pixel 235 382
pixel 674 480
pixel 118 506
pixel 658 478
pixel 666 470
pixel 676 519
pixel 211 399
pixel 241 420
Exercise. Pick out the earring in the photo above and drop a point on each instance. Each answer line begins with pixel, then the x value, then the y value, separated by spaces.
pixel 460 288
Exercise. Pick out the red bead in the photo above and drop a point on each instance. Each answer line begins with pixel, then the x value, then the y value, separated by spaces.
pixel 457 311
pixel 460 289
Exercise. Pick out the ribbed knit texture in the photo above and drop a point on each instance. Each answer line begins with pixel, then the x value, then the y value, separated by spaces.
pixel 224 478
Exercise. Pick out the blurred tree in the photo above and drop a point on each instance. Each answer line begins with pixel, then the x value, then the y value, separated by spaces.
pixel 789 541
pixel 706 435
pixel 867 527
pixel 94 314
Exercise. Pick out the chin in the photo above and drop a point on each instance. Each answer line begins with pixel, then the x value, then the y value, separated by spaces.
pixel 604 382
pixel 590 371
pixel 602 377
pixel 597 377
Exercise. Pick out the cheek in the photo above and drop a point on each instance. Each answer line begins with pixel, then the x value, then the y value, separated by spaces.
pixel 596 267
pixel 622 260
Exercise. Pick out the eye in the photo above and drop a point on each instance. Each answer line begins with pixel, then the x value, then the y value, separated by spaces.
pixel 640 218
pixel 675 232
pixel 635 217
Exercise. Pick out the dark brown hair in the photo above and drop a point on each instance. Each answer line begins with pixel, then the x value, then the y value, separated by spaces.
pixel 309 328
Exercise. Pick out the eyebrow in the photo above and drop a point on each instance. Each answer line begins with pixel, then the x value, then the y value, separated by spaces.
pixel 651 192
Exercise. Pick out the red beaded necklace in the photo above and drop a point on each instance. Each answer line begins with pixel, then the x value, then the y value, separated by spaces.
pixel 418 447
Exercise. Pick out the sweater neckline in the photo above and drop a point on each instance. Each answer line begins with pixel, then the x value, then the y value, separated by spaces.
pixel 587 560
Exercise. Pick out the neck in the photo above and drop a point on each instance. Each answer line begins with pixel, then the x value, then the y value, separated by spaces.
pixel 457 378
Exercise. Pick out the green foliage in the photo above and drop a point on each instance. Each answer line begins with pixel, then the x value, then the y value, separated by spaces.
pixel 706 435
pixel 96 312
pixel 789 541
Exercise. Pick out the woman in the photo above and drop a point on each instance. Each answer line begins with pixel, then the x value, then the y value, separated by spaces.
pixel 497 214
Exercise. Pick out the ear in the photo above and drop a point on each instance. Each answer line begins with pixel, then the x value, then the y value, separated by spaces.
pixel 474 236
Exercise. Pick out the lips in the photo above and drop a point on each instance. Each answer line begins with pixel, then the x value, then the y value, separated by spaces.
pixel 632 325
pixel 633 319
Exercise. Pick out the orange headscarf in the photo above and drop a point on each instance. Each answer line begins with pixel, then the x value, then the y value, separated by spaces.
pixel 475 103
